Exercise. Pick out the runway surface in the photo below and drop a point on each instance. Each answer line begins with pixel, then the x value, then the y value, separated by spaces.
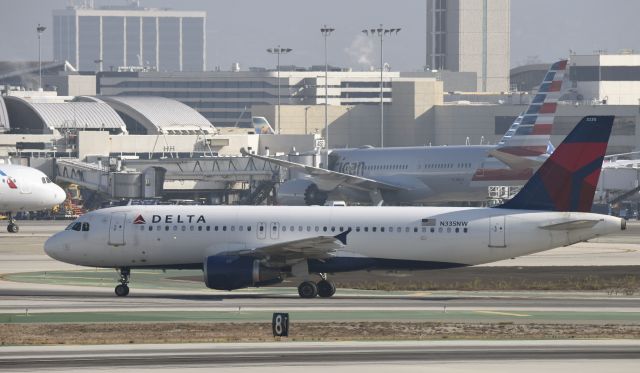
pixel 337 356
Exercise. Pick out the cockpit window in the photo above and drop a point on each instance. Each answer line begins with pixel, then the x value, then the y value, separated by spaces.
pixel 76 226
pixel 48 180
pixel 85 227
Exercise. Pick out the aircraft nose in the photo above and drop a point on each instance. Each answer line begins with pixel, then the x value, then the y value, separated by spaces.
pixel 59 195
pixel 52 246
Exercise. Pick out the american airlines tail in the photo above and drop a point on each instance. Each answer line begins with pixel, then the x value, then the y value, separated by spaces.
pixel 567 180
pixel 529 134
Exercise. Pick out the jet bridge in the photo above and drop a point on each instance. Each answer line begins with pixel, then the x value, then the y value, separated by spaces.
pixel 132 177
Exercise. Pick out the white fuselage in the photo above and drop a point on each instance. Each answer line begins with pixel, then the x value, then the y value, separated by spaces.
pixel 27 189
pixel 429 174
pixel 420 237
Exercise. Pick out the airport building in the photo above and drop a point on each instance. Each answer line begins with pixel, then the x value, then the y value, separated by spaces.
pixel 226 98
pixel 98 39
pixel 470 36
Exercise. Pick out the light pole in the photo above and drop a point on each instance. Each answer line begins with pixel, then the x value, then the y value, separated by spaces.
pixel 278 51
pixel 40 29
pixel 326 31
pixel 381 32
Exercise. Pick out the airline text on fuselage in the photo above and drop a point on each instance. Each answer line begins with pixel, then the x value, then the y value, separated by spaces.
pixel 178 219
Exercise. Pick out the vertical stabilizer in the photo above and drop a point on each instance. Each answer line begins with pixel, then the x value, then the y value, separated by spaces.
pixel 529 134
pixel 567 180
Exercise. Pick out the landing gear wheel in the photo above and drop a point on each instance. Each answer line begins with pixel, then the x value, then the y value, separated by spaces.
pixel 13 228
pixel 326 288
pixel 122 290
pixel 308 289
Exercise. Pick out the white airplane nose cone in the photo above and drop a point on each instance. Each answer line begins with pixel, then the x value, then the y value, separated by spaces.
pixel 59 195
pixel 52 246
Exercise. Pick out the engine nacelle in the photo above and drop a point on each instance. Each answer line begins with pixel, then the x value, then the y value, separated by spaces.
pixel 300 192
pixel 223 272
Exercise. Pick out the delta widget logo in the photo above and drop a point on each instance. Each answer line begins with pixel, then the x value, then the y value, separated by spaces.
pixel 139 220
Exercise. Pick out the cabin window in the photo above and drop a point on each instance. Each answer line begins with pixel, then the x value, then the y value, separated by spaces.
pixel 457 230
pixel 366 229
pixel 150 227
pixel 373 229
pixel 175 227
pixel 292 228
pixel 415 230
pixel 399 230
pixel 333 229
pixel 200 228
pixel 407 229
pixel 166 227
pixel 440 230
pixel 317 228
pixel 233 228
pixel 433 230
pixel 381 229
pixel 191 228
pixel 159 228
pixel 275 227
pixel 300 228
pixel 284 228
pixel 324 228
pixel 464 230
pixel 249 228
pixel 449 230
pixel 184 228
pixel 240 227
pixel 215 228
pixel 341 229
pixel 308 228
pixel 224 228
pixel 208 228
pixel 43 180
pixel 261 228
pixel 390 229
pixel 357 229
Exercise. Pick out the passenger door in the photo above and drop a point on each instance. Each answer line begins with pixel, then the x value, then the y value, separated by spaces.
pixel 497 231
pixel 274 230
pixel 262 231
pixel 116 230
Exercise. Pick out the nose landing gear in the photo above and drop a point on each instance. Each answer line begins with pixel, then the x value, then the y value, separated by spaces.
pixel 12 227
pixel 122 290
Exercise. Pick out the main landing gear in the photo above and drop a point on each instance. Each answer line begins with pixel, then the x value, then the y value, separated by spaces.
pixel 12 227
pixel 323 288
pixel 122 290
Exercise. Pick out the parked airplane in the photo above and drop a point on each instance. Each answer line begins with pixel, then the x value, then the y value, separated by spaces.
pixel 26 189
pixel 431 174
pixel 242 246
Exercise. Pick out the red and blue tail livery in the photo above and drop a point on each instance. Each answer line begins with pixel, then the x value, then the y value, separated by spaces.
pixel 567 180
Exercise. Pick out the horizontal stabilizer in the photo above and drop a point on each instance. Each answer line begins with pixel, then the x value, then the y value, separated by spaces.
pixel 571 225
pixel 515 162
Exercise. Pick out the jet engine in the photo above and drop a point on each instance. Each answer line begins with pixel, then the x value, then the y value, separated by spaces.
pixel 222 272
pixel 298 192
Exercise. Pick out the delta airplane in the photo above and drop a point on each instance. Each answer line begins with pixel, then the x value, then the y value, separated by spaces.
pixel 243 246
pixel 432 174
pixel 26 189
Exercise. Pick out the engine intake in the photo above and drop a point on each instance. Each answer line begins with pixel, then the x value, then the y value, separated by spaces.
pixel 223 272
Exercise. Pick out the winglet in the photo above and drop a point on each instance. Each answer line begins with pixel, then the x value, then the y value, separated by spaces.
pixel 567 180
pixel 342 237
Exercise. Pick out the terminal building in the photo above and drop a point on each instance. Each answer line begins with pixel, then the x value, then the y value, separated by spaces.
pixel 98 39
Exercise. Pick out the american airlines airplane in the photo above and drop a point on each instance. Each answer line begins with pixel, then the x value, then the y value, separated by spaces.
pixel 243 246
pixel 26 189
pixel 432 174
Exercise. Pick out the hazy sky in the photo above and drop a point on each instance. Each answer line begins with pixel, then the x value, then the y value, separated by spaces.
pixel 241 30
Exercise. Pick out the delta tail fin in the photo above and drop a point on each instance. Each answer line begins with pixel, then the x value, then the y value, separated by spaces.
pixel 529 134
pixel 567 180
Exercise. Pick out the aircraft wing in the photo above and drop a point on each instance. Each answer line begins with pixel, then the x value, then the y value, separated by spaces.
pixel 327 179
pixel 319 247
pixel 516 162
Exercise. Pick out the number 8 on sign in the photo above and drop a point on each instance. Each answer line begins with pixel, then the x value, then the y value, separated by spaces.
pixel 280 324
